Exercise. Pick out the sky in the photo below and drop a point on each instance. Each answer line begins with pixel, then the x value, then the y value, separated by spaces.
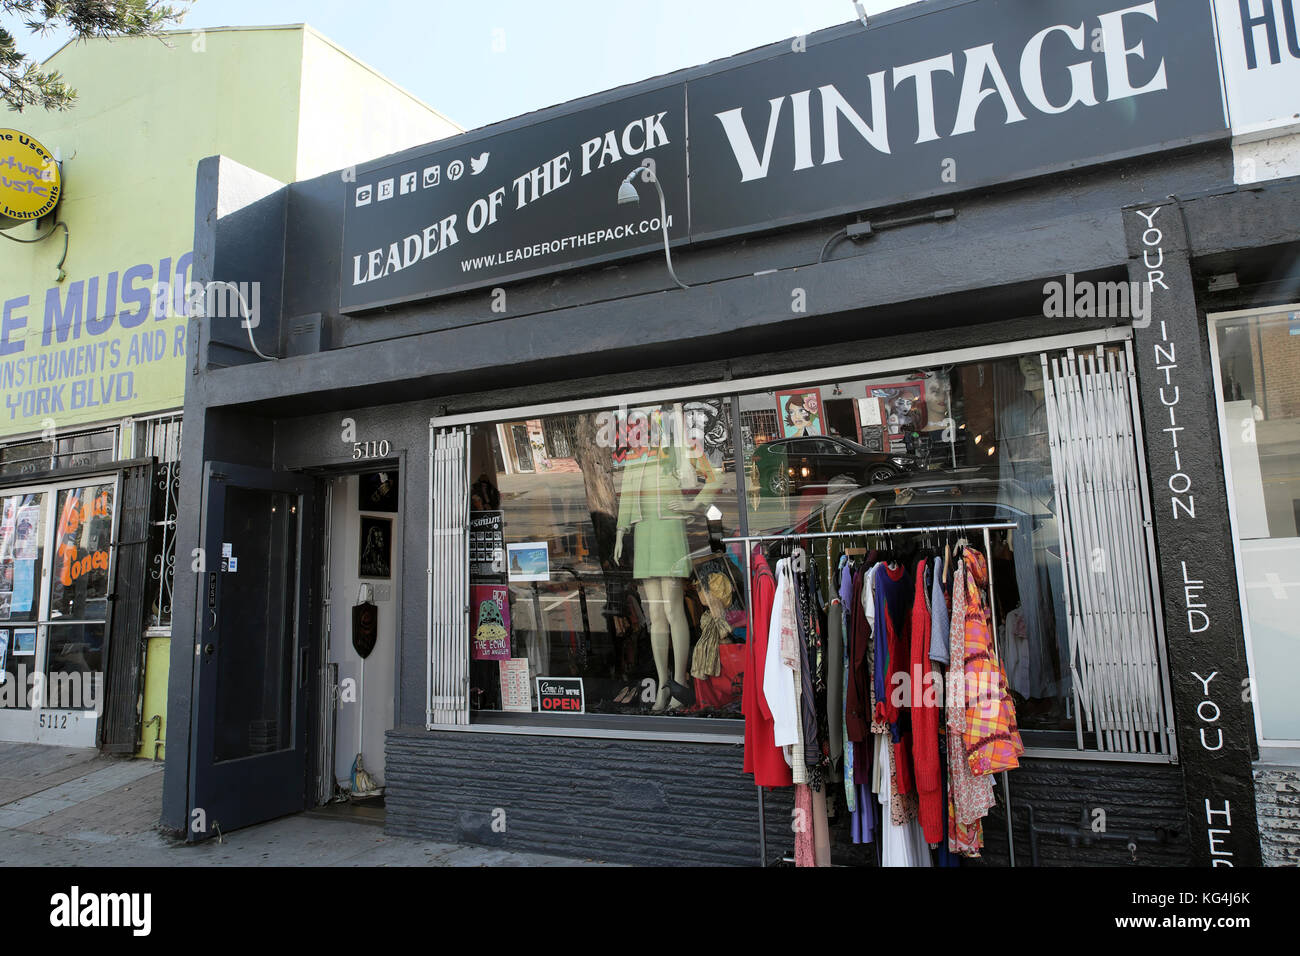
pixel 480 61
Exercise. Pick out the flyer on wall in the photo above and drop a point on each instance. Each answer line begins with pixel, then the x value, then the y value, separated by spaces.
pixel 529 561
pixel 491 604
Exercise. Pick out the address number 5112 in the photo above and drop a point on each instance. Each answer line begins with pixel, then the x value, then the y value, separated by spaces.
pixel 369 449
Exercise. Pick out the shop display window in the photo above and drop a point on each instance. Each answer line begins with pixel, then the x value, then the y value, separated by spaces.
pixel 601 583
pixel 594 584
pixel 22 556
pixel 52 625
pixel 74 667
pixel 82 542
pixel 959 444
pixel 1259 420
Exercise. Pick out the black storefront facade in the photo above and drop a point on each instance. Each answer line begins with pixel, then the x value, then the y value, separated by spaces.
pixel 486 307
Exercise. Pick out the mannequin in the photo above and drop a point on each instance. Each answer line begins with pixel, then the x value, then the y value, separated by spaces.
pixel 1025 466
pixel 654 507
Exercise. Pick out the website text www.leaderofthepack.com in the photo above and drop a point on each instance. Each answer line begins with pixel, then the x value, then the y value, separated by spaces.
pixel 552 246
pixel 1219 899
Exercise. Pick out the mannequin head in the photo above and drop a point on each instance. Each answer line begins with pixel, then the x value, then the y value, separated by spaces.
pixel 936 401
pixel 1033 373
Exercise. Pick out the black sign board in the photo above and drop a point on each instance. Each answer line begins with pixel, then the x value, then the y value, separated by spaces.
pixel 974 94
pixel 487 545
pixel 560 695
pixel 516 204
pixel 946 99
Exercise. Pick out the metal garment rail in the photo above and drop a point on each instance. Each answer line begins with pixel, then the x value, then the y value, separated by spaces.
pixel 882 532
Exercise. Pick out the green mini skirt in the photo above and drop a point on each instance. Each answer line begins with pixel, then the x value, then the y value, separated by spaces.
pixel 660 546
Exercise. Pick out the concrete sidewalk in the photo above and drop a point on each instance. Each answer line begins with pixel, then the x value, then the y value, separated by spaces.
pixel 64 807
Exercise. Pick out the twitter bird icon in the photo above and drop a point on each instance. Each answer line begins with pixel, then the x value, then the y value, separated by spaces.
pixel 478 164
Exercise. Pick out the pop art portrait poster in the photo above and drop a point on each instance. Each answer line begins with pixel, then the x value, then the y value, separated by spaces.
pixel 904 406
pixel 801 412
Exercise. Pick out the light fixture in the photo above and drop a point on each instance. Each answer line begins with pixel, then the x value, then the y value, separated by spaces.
pixel 978 439
pixel 627 194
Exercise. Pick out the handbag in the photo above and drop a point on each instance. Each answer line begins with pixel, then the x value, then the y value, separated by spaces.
pixel 722 691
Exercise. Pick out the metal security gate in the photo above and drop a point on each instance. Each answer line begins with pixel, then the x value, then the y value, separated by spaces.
pixel 1116 632
pixel 120 728
pixel 448 573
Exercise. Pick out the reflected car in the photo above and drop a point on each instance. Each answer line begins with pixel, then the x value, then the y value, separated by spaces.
pixel 787 465
pixel 969 496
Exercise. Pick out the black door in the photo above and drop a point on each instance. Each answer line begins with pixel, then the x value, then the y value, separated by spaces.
pixel 250 707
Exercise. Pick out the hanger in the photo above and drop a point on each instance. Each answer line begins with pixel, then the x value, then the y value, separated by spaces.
pixel 799 560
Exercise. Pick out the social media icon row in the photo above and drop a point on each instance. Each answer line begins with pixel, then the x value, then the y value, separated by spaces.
pixel 406 183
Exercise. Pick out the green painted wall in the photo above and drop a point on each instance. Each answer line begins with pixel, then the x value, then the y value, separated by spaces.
pixel 158 655
pixel 147 112
pixel 281 100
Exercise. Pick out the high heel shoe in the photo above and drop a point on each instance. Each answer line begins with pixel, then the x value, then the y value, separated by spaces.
pixel 682 693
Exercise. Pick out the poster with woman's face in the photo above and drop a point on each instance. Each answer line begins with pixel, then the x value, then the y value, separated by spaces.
pixel 801 412
pixel 904 407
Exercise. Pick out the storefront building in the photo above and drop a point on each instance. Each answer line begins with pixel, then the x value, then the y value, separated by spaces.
pixel 1253 314
pixel 93 293
pixel 966 289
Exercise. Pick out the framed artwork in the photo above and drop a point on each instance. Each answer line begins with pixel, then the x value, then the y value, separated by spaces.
pixel 529 561
pixel 377 491
pixel 375 560
pixel 904 409
pixel 800 410
pixel 24 642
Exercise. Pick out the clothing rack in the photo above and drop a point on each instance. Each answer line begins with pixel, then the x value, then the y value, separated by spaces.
pixel 880 532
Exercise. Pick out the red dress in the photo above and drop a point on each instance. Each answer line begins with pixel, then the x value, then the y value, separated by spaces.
pixel 925 719
pixel 763 758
